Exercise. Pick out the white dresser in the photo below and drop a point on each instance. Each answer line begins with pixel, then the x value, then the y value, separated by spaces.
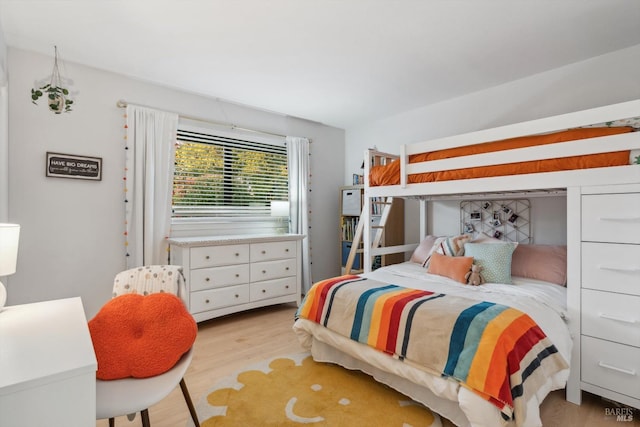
pixel 227 274
pixel 610 292
pixel 47 365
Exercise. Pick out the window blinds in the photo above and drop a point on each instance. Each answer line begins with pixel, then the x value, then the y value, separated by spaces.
pixel 218 176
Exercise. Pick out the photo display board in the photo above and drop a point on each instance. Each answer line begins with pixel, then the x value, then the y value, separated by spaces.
pixel 508 219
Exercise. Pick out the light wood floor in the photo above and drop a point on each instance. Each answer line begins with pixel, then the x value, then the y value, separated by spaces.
pixel 228 344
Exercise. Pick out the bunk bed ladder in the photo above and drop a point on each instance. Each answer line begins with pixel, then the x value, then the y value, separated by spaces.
pixel 377 241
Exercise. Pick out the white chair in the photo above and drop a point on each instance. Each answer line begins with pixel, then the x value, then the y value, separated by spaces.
pixel 128 396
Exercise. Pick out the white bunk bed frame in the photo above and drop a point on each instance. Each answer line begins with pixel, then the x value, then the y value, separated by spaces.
pixel 570 182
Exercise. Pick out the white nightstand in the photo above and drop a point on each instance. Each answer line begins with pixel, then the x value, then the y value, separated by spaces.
pixel 47 365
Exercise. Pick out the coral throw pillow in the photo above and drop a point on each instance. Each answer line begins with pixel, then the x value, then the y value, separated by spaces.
pixel 141 336
pixel 449 266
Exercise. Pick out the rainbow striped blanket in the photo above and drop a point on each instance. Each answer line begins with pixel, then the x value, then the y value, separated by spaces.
pixel 496 351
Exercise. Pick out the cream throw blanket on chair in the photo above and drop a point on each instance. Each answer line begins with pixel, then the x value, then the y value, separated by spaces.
pixel 149 280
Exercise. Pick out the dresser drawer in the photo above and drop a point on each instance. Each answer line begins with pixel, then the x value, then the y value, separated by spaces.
pixel 218 298
pixel 611 267
pixel 272 250
pixel 216 277
pixel 213 256
pixel 273 288
pixel 611 316
pixel 615 367
pixel 611 218
pixel 273 269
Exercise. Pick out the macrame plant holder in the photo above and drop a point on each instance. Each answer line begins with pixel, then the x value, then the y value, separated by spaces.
pixel 58 98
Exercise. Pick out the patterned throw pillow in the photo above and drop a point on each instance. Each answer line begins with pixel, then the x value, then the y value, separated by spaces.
pixel 495 259
pixel 450 246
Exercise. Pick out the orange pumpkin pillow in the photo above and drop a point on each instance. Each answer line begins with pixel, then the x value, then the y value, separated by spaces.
pixel 453 267
pixel 141 336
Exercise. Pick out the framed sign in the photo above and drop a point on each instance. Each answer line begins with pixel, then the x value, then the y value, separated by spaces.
pixel 71 166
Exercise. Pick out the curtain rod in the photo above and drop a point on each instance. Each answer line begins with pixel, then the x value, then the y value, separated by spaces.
pixel 123 104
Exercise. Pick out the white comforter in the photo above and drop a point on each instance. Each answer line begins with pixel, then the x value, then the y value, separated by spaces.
pixel 545 303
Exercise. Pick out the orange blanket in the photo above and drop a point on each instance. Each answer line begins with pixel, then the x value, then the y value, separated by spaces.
pixel 390 174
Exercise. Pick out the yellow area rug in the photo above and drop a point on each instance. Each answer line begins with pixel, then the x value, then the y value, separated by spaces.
pixel 294 390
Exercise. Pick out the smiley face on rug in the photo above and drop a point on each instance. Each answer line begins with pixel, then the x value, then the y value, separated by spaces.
pixel 290 392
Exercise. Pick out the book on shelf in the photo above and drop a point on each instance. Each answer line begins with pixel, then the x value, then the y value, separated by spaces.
pixel 349 226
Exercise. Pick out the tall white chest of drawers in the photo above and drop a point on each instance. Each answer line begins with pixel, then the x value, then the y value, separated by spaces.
pixel 610 292
pixel 228 274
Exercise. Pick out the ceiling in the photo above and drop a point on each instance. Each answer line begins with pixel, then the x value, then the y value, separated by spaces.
pixel 338 62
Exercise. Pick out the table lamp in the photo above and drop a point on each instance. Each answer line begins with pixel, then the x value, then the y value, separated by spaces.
pixel 9 234
pixel 280 208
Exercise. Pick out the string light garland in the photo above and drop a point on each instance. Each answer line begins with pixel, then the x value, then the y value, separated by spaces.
pixel 125 188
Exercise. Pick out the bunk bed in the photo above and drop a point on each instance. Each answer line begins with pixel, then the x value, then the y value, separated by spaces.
pixel 556 310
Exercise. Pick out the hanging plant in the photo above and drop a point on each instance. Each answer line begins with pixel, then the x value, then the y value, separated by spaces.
pixel 58 98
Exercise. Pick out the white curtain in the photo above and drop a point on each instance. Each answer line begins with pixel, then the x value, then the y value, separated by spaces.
pixel 150 154
pixel 299 188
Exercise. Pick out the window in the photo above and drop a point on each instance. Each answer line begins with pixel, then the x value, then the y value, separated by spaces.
pixel 222 177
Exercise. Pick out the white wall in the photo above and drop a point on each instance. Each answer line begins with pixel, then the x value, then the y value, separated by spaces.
pixel 595 82
pixel 71 241
pixel 4 117
pixel 3 55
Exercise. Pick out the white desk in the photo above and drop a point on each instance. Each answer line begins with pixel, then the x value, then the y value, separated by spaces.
pixel 47 365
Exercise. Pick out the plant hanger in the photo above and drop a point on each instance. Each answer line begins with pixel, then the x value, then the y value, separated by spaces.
pixel 58 98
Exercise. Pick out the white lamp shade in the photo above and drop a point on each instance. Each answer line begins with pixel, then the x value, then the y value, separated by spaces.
pixel 9 235
pixel 280 208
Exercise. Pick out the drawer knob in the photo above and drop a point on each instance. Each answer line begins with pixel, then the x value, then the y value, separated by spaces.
pixel 286 287
pixel 286 250
pixel 237 275
pixel 237 296
pixel 206 301
pixel 207 257
pixel 264 291
pixel 206 279
pixel 237 254
pixel 264 252
pixel 287 268
pixel 264 271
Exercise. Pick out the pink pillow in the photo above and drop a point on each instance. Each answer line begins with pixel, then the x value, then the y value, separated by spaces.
pixel 541 262
pixel 421 253
pixel 453 267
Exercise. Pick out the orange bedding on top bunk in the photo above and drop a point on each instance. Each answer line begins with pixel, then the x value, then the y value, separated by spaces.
pixel 390 174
